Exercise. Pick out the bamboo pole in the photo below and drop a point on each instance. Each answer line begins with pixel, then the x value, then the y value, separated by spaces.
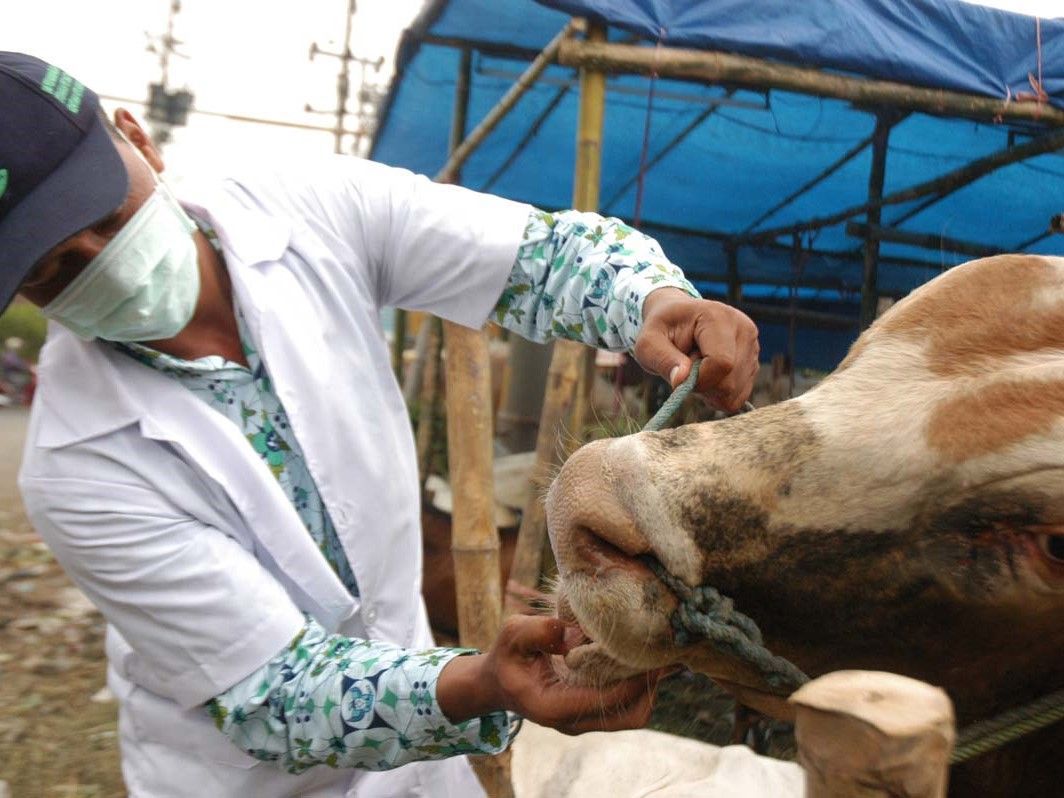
pixel 876 177
pixel 474 538
pixel 528 79
pixel 428 398
pixel 735 286
pixel 675 142
pixel 708 66
pixel 567 363
pixel 933 241
pixel 868 734
pixel 415 374
pixel 943 184
pixel 398 342
pixel 813 182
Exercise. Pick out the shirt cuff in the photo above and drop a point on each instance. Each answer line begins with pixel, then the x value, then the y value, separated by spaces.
pixel 633 287
pixel 430 731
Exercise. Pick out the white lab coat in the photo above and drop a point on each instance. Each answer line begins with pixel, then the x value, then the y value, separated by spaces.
pixel 160 510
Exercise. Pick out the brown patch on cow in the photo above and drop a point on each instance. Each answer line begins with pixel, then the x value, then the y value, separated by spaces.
pixel 995 417
pixel 979 313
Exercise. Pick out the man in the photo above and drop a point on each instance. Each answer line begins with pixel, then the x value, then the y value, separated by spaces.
pixel 220 458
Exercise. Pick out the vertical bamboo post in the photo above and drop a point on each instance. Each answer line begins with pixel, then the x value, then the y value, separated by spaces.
pixel 398 342
pixel 474 538
pixel 876 177
pixel 568 361
pixel 428 398
pixel 735 288
pixel 869 734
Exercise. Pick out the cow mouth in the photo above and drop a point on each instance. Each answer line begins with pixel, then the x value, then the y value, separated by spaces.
pixel 587 661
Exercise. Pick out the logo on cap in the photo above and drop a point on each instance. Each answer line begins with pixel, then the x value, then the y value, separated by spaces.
pixel 3 181
pixel 63 87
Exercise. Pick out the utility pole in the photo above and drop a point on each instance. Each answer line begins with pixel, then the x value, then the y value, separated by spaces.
pixel 167 108
pixel 366 108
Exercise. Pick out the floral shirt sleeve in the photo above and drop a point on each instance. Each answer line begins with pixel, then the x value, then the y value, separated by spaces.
pixel 583 277
pixel 349 703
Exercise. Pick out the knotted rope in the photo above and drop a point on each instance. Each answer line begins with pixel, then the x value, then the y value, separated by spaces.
pixel 703 612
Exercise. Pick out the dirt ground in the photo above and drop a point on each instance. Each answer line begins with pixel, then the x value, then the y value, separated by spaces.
pixel 58 741
pixel 55 741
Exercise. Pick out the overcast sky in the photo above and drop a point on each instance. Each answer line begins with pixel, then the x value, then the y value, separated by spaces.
pixel 246 57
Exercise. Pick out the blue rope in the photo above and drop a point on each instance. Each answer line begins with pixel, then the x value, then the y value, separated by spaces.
pixel 672 404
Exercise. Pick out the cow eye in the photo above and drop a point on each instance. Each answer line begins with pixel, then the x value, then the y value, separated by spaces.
pixel 1053 546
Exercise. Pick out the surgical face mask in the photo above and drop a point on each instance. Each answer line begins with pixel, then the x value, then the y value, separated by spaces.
pixel 143 285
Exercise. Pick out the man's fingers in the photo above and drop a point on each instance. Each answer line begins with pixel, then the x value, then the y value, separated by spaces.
pixel 657 353
pixel 533 634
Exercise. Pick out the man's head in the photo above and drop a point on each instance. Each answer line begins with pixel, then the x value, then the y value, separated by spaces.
pixel 60 171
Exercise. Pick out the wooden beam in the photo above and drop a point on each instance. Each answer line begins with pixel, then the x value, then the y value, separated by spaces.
pixel 873 232
pixel 709 66
pixel 943 184
pixel 876 176
pixel 527 80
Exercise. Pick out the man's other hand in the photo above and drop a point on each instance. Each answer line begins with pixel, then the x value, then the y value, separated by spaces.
pixel 518 674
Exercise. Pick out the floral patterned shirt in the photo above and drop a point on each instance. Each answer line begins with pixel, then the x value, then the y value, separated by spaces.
pixel 344 702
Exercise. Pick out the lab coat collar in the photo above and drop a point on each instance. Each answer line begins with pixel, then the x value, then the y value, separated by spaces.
pixel 248 232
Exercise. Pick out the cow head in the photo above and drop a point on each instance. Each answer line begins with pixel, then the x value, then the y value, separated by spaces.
pixel 907 514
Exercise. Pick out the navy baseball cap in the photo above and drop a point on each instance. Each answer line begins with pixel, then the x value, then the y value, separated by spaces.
pixel 59 169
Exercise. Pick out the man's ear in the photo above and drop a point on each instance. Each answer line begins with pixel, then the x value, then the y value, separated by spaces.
pixel 132 130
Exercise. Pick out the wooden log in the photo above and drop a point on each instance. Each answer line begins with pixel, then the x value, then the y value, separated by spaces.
pixel 568 360
pixel 939 243
pixel 869 734
pixel 709 66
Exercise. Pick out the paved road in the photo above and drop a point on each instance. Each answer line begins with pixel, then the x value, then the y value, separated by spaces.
pixel 12 434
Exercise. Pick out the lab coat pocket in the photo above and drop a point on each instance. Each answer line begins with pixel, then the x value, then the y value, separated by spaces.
pixel 157 720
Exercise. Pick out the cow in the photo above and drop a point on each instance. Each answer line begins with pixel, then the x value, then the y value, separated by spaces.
pixel 906 514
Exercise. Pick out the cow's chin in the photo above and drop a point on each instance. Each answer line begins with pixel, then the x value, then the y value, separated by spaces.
pixel 625 614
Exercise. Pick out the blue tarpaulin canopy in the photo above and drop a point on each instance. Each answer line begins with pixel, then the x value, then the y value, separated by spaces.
pixel 723 162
